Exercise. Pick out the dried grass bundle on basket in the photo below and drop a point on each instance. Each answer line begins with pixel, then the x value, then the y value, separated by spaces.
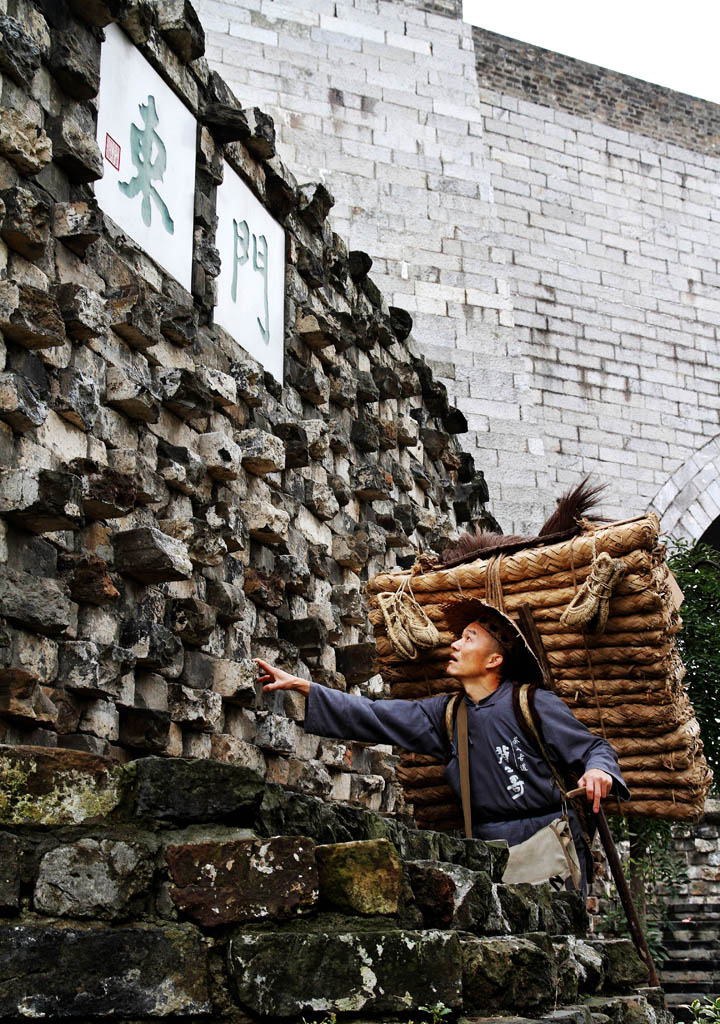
pixel 613 657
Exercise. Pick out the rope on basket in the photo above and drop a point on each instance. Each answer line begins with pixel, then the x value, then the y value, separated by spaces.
pixel 408 627
pixel 493 584
pixel 587 649
pixel 591 604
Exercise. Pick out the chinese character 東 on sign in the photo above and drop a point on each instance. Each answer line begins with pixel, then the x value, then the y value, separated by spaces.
pixel 241 254
pixel 142 143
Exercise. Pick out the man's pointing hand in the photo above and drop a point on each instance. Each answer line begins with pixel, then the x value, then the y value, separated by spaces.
pixel 277 679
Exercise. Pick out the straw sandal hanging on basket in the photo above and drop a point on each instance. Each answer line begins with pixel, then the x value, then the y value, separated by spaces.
pixel 408 627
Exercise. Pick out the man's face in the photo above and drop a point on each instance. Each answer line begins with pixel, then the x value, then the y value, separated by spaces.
pixel 474 654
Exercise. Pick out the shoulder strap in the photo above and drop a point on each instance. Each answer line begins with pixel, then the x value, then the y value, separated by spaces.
pixel 464 762
pixel 451 713
pixel 526 709
pixel 456 710
pixel 531 721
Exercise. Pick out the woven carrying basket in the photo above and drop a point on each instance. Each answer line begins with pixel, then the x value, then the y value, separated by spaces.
pixel 625 683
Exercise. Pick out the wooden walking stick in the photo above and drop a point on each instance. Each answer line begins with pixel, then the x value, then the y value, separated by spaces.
pixel 534 640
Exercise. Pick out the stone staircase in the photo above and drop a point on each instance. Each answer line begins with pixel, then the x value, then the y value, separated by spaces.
pixel 643 1007
pixel 692 939
pixel 692 969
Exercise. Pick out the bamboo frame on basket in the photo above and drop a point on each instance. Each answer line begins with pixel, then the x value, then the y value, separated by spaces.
pixel 616 539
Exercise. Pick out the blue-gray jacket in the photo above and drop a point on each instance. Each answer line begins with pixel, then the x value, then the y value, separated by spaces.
pixel 513 792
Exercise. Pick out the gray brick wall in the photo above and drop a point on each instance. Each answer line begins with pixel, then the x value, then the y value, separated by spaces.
pixel 614 274
pixel 619 101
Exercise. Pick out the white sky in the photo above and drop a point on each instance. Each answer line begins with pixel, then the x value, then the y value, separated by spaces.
pixel 675 43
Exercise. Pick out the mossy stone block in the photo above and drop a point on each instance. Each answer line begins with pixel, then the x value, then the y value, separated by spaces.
pixel 280 974
pixel 527 908
pixel 218 883
pixel 499 854
pixel 10 852
pixel 48 786
pixel 624 970
pixel 508 973
pixel 571 917
pixel 187 790
pixel 450 895
pixel 126 972
pixel 361 877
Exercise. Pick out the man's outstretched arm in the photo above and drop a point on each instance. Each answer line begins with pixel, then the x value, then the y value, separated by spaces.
pixel 411 724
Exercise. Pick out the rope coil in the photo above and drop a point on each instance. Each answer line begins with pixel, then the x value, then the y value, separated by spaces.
pixel 591 604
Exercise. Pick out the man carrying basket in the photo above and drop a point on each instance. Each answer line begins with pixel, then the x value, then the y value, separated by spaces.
pixel 509 745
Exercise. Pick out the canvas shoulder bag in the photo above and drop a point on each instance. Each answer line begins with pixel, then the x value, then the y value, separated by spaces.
pixel 548 854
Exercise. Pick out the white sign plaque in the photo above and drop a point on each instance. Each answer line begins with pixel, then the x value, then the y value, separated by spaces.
pixel 147 138
pixel 251 285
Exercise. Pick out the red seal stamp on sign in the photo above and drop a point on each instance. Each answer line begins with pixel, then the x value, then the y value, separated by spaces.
pixel 112 151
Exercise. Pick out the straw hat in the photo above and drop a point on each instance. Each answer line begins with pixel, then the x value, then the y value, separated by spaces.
pixel 520 663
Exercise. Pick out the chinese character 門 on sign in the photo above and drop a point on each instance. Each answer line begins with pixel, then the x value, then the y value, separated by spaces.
pixel 251 285
pixel 150 193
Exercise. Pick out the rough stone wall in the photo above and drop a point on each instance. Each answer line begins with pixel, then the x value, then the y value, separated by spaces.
pixel 195 890
pixel 607 193
pixel 166 509
pixel 380 99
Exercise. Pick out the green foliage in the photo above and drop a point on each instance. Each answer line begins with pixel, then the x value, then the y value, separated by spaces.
pixel 657 875
pixel 697 570
pixel 705 1012
pixel 436 1012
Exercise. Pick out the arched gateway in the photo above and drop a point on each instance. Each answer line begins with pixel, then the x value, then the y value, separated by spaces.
pixel 689 503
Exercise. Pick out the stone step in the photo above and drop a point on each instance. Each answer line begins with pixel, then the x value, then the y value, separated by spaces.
pixel 706 905
pixel 563 1015
pixel 689 974
pixel 709 902
pixel 692 924
pixel 691 927
pixel 701 935
pixel 698 917
pixel 684 950
pixel 681 1012
pixel 118 971
pixel 690 990
pixel 673 943
pixel 635 1008
pixel 678 998
pixel 507 974
pixel 709 909
pixel 693 955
